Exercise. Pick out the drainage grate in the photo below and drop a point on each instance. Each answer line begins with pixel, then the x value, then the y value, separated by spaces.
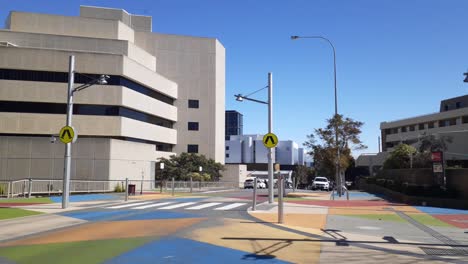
pixel 444 251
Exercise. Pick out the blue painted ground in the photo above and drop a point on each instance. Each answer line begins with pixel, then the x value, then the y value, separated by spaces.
pixel 126 215
pixel 86 197
pixel 355 195
pixel 437 210
pixel 181 250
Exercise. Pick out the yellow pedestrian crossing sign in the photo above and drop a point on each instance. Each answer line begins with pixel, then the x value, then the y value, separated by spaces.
pixel 270 140
pixel 67 134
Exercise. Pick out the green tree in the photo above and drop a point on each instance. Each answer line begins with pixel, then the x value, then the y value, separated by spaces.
pixel 325 148
pixel 400 157
pixel 431 143
pixel 186 165
pixel 303 175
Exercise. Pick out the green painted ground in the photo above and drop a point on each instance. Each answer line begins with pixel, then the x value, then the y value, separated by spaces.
pixel 8 213
pixel 426 219
pixel 26 200
pixel 88 252
pixel 382 217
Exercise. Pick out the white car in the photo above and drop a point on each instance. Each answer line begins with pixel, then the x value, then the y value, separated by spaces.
pixel 320 183
pixel 249 183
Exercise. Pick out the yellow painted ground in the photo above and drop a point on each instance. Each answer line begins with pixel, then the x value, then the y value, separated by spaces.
pixel 110 230
pixel 260 239
pixel 312 221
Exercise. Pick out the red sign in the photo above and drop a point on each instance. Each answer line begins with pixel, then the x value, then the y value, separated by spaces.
pixel 436 156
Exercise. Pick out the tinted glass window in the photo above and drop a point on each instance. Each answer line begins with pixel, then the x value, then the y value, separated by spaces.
pixel 193 126
pixel 192 148
pixel 193 103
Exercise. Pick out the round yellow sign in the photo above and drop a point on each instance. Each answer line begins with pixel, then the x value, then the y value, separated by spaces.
pixel 67 134
pixel 270 140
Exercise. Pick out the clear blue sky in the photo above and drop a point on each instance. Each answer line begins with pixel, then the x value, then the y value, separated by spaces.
pixel 395 58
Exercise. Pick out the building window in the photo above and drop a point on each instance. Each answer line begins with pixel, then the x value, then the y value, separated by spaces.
pixel 227 155
pixel 421 126
pixel 192 148
pixel 458 105
pixel 403 129
pixel 465 119
pixel 193 103
pixel 388 131
pixel 395 131
pixel 452 122
pixel 446 107
pixel 227 147
pixel 193 126
pixel 411 128
pixel 441 123
pixel 431 124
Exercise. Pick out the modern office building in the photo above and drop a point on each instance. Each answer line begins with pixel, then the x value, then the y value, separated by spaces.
pixel 249 149
pixel 165 95
pixel 234 124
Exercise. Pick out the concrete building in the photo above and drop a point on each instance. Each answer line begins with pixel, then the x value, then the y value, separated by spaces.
pixel 452 120
pixel 165 95
pixel 234 124
pixel 249 149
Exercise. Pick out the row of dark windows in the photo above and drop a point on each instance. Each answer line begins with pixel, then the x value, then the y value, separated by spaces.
pixel 159 145
pixel 62 77
pixel 81 109
pixel 422 126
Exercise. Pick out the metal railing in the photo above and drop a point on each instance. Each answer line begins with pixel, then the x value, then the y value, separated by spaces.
pixel 28 187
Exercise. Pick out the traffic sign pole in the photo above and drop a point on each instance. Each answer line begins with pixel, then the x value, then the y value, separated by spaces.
pixel 67 163
pixel 270 130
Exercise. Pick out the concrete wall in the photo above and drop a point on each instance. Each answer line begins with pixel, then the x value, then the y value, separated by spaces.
pixel 235 173
pixel 197 65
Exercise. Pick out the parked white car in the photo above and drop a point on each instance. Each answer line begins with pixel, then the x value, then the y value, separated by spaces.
pixel 321 183
pixel 249 183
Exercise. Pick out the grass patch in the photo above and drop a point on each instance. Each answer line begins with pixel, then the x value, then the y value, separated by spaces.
pixel 26 200
pixel 73 252
pixel 8 213
pixel 381 217
pixel 426 219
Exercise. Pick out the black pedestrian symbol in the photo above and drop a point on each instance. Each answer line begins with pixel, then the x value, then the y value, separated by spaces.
pixel 68 134
pixel 270 138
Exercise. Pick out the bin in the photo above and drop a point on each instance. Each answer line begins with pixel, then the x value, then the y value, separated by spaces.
pixel 131 189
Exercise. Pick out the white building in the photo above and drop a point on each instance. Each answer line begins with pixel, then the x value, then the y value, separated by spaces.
pixel 249 149
pixel 165 95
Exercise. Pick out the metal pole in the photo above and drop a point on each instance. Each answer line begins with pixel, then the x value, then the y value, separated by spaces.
pixel 280 199
pixel 254 198
pixel 270 128
pixel 141 186
pixel 67 162
pixel 191 185
pixel 30 188
pixel 173 186
pixel 9 190
pixel 126 189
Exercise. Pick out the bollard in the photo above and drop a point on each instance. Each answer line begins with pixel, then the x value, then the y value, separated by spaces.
pixel 30 188
pixel 9 190
pixel 254 199
pixel 173 186
pixel 280 199
pixel 126 189
pixel 294 184
pixel 191 186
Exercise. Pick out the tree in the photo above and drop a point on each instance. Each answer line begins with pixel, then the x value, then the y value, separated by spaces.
pixel 400 157
pixel 325 149
pixel 431 143
pixel 303 175
pixel 186 165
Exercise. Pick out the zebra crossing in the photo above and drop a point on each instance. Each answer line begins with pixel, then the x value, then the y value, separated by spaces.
pixel 217 206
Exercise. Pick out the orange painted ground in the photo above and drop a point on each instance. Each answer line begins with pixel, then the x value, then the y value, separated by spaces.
pixel 109 230
pixel 458 220
pixel 317 221
pixel 350 203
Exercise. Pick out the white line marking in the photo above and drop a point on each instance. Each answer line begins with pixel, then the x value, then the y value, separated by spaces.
pixel 198 207
pixel 127 205
pixel 230 206
pixel 176 206
pixel 152 205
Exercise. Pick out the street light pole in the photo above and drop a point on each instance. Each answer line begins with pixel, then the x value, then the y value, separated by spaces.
pixel 240 98
pixel 270 130
pixel 338 178
pixel 67 163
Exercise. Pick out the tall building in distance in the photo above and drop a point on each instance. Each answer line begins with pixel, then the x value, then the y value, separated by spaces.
pixel 234 124
pixel 165 95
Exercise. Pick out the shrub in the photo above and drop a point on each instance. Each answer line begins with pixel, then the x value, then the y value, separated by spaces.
pixel 2 189
pixel 118 188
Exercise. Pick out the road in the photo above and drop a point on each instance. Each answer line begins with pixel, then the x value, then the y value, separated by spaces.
pixel 217 227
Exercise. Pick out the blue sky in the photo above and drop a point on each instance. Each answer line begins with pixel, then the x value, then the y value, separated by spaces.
pixel 395 58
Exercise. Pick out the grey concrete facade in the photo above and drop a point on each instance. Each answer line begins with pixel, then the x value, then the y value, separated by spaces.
pixel 124 126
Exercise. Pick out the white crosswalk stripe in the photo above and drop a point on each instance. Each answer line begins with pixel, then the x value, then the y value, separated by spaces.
pixel 152 205
pixel 176 206
pixel 230 206
pixel 198 207
pixel 127 205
